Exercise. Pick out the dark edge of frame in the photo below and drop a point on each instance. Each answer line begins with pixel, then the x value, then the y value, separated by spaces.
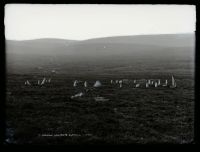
pixel 197 81
pixel 3 60
pixel 2 81
pixel 180 2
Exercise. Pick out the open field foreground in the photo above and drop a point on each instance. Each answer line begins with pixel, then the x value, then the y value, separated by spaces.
pixel 48 114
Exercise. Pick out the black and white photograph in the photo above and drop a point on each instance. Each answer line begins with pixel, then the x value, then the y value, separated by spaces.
pixel 90 74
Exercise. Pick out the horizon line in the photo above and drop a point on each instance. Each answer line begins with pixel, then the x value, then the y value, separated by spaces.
pixel 98 37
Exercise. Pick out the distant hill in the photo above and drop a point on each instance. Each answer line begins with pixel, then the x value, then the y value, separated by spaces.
pixel 141 42
pixel 134 45
pixel 171 40
pixel 32 53
pixel 37 47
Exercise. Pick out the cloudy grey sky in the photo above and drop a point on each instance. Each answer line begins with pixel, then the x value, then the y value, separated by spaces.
pixel 79 22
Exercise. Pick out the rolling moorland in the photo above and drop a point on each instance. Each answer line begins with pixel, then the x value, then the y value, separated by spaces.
pixel 132 115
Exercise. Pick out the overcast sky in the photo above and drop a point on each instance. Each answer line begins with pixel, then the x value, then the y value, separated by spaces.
pixel 79 22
